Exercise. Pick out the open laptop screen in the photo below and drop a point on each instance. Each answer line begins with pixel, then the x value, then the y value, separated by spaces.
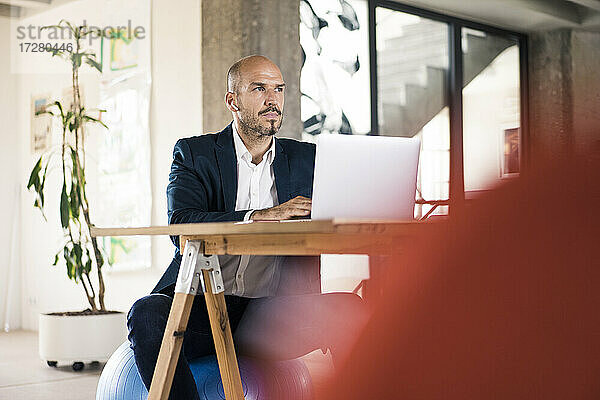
pixel 365 177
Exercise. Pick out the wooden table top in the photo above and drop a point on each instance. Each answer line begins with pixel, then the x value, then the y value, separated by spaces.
pixel 342 226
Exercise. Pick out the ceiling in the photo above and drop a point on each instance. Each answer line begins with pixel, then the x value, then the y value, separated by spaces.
pixel 16 8
pixel 520 15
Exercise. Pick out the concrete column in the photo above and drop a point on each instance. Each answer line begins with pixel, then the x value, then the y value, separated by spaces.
pixel 586 89
pixel 232 29
pixel 564 90
pixel 550 91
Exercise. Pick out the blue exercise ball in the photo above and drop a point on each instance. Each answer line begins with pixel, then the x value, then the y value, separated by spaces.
pixel 261 380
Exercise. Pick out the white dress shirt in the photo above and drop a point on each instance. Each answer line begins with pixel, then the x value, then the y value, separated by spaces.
pixel 252 276
pixel 256 183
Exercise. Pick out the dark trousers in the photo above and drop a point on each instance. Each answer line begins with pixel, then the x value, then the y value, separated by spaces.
pixel 277 328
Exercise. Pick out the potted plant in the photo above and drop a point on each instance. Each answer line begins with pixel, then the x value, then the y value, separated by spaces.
pixel 92 334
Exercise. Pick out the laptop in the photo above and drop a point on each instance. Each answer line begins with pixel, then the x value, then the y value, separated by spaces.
pixel 365 177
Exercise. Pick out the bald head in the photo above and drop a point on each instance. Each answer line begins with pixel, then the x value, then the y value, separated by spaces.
pixel 255 96
pixel 235 72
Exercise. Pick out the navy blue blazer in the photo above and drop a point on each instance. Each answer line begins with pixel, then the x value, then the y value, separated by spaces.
pixel 203 188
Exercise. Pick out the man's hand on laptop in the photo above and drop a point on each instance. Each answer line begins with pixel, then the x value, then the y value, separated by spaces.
pixel 299 206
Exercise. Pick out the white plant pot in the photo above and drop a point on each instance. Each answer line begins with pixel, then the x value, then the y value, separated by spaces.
pixel 80 338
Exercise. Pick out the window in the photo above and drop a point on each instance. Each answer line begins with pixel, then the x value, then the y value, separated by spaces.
pixel 456 84
pixel 491 109
pixel 412 66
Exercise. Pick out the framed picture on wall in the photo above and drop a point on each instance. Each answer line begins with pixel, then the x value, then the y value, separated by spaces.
pixel 511 159
pixel 41 124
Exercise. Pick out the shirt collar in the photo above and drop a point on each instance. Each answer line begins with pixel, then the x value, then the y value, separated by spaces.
pixel 242 153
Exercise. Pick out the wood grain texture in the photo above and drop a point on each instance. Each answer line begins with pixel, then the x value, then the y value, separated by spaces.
pixel 170 347
pixel 304 244
pixel 275 227
pixel 221 331
pixel 171 344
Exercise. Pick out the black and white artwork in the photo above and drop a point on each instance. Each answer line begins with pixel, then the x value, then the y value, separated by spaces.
pixel 334 80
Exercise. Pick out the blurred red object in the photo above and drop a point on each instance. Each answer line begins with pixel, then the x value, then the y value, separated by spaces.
pixel 500 302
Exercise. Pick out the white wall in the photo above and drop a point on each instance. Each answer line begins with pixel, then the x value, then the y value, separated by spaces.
pixel 175 112
pixel 9 178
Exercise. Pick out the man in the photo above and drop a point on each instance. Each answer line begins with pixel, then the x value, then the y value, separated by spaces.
pixel 244 173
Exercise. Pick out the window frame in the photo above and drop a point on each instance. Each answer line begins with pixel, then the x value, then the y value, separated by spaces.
pixel 454 88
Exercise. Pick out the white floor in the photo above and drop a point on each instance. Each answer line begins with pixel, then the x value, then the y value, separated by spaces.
pixel 23 376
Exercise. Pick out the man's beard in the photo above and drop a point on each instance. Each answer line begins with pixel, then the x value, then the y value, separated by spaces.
pixel 250 122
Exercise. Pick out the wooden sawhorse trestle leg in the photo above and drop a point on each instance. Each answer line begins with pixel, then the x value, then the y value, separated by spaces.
pixel 197 272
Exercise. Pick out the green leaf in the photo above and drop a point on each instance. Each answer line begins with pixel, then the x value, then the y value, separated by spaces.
pixel 88 264
pixel 60 108
pixel 43 183
pixel 67 23
pixel 35 173
pixel 64 207
pixel 68 262
pixel 100 260
pixel 57 53
pixel 76 58
pixel 44 111
pixel 91 60
pixel 77 253
pixel 78 261
pixel 74 200
pixel 72 252
pixel 78 181
pixel 55 259
pixel 75 162
pixel 92 119
pixel 37 184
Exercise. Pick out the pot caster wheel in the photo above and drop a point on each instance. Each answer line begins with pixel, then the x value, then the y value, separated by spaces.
pixel 77 366
pixel 52 363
